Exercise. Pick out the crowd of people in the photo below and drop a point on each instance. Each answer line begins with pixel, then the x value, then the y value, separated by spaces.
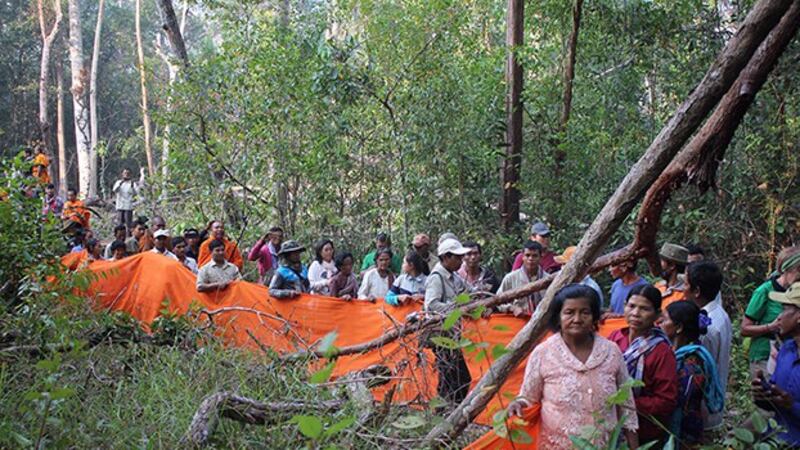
pixel 677 340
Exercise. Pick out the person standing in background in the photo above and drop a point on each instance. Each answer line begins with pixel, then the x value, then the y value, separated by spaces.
pixel 126 190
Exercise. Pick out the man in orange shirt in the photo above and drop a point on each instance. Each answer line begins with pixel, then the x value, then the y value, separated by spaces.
pixel 673 264
pixel 232 254
pixel 75 210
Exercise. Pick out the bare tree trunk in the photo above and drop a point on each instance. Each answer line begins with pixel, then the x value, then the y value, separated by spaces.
pixel 509 213
pixel 148 151
pixel 175 35
pixel 62 147
pixel 86 178
pixel 569 77
pixel 569 67
pixel 697 163
pixel 93 85
pixel 44 72
pixel 174 31
pixel 718 79
pixel 172 71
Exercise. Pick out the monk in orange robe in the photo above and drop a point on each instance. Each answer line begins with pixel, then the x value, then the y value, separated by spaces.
pixel 41 165
pixel 75 210
pixel 232 254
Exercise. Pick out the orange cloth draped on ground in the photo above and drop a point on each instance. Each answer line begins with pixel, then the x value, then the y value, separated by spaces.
pixel 232 254
pixel 41 164
pixel 143 284
pixel 77 212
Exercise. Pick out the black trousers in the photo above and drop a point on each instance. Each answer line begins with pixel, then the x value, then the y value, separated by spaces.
pixel 454 378
pixel 125 217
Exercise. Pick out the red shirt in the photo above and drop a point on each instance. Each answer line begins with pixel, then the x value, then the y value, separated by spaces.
pixel 547 263
pixel 659 396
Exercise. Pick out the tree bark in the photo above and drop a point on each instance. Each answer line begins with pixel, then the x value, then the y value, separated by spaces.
pixel 720 76
pixel 86 178
pixel 246 410
pixel 44 72
pixel 148 150
pixel 509 213
pixel 93 86
pixel 174 31
pixel 62 146
pixel 172 72
pixel 569 77
pixel 175 34
pixel 698 161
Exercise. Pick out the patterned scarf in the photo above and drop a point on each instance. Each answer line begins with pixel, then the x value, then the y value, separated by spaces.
pixel 712 391
pixel 639 348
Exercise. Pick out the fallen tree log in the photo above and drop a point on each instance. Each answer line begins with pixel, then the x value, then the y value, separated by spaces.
pixel 253 412
pixel 716 82
pixel 698 161
pixel 242 409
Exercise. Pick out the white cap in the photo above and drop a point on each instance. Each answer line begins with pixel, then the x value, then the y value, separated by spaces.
pixel 160 233
pixel 451 246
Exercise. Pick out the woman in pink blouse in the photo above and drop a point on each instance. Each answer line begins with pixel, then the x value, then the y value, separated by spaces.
pixel 572 374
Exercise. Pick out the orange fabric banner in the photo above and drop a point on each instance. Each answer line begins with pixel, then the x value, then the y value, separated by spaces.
pixel 143 285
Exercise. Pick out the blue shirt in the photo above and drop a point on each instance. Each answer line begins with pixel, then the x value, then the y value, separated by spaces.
pixel 787 377
pixel 620 291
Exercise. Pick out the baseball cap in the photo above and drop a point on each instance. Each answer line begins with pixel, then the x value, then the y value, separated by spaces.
pixel 540 229
pixel 790 297
pixel 451 246
pixel 161 233
pixel 675 253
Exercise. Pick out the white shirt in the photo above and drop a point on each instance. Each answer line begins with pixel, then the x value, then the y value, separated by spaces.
pixel 318 274
pixel 372 285
pixel 126 191
pixel 166 253
pixel 718 342
pixel 190 263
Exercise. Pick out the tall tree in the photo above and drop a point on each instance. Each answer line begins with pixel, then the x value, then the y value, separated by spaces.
pixel 509 213
pixel 62 145
pixel 178 45
pixel 142 78
pixel 86 178
pixel 569 77
pixel 44 72
pixel 93 86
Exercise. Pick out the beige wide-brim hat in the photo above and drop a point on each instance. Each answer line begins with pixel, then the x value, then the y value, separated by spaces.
pixel 790 297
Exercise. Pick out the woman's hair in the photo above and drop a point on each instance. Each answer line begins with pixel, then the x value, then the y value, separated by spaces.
pixel 687 315
pixel 383 251
pixel 572 291
pixel 649 292
pixel 319 246
pixel 416 260
pixel 341 258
